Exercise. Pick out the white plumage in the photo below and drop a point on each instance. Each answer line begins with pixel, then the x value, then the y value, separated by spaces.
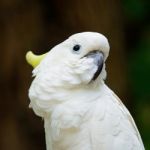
pixel 80 113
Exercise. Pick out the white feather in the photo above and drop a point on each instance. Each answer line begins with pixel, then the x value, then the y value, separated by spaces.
pixel 80 114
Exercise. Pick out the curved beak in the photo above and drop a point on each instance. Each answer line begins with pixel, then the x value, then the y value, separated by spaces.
pixel 34 60
pixel 98 61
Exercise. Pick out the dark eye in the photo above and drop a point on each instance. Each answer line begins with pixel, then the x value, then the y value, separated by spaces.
pixel 76 48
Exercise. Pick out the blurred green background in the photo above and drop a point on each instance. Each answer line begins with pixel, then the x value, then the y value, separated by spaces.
pixel 39 25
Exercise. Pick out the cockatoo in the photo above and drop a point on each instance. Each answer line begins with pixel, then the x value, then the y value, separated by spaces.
pixel 68 91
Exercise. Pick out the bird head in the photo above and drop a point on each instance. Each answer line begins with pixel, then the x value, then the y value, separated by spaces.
pixel 78 60
pixel 72 66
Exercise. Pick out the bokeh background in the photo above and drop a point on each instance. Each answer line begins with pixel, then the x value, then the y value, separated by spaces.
pixel 39 25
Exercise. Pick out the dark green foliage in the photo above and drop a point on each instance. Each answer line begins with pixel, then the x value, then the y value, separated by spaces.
pixel 137 14
pixel 136 9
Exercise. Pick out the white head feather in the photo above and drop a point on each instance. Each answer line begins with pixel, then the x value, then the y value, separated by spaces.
pixel 65 68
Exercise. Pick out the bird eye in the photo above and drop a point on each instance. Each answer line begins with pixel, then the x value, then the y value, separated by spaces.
pixel 76 48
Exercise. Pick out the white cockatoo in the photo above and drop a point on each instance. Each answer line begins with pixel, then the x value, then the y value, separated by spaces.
pixel 80 112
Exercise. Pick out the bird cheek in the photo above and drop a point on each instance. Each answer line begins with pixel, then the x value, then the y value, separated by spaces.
pixel 86 70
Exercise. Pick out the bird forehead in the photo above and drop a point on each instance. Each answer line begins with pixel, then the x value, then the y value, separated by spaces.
pixel 88 36
pixel 90 39
pixel 83 37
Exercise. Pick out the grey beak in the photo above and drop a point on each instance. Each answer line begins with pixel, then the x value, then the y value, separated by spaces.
pixel 98 60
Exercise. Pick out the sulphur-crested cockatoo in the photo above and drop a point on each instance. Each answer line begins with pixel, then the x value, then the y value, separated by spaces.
pixel 80 112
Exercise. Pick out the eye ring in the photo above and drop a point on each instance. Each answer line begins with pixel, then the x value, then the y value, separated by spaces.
pixel 76 47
